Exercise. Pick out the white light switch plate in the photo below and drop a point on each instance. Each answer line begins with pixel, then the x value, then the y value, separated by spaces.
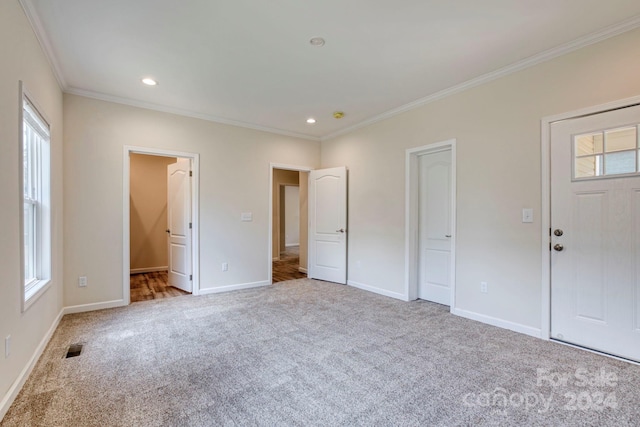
pixel 527 215
pixel 246 216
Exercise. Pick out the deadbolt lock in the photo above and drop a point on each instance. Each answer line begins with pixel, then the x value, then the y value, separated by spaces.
pixel 558 232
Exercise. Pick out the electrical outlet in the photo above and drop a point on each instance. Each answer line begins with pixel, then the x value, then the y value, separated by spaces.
pixel 82 281
pixel 483 287
pixel 7 346
pixel 225 266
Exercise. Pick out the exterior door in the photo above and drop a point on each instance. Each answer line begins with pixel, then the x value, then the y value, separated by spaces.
pixel 595 217
pixel 434 199
pixel 179 224
pixel 328 225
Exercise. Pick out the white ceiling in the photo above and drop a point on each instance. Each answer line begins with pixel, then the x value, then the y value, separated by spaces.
pixel 249 62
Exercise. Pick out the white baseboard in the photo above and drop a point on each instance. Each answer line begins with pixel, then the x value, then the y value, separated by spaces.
pixel 288 245
pixel 302 270
pixel 500 323
pixel 229 288
pixel 148 269
pixel 276 258
pixel 375 290
pixel 92 307
pixel 17 385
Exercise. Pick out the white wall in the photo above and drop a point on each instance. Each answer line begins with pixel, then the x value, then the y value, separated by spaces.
pixel 22 59
pixel 497 127
pixel 234 178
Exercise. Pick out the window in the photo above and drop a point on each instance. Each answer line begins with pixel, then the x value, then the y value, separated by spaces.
pixel 608 153
pixel 36 225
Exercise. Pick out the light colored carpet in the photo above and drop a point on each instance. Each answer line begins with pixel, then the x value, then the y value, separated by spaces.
pixel 306 352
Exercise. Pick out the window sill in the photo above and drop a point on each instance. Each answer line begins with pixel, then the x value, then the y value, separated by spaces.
pixel 34 293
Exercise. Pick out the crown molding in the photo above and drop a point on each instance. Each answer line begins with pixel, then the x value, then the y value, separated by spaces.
pixel 43 39
pixel 186 113
pixel 598 36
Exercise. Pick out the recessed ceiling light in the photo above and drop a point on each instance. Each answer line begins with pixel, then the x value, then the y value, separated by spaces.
pixel 311 120
pixel 317 41
pixel 149 81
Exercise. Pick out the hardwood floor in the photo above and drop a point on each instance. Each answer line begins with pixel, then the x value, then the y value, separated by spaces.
pixel 147 286
pixel 287 267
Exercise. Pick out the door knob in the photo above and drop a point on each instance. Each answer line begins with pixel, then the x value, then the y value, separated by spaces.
pixel 340 231
pixel 167 230
pixel 558 232
pixel 558 247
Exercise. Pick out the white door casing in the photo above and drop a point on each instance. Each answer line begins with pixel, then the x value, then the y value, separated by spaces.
pixel 328 225
pixel 179 224
pixel 434 227
pixel 595 279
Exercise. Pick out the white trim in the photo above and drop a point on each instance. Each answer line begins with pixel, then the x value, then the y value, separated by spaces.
pixel 302 270
pixel 500 323
pixel 186 113
pixel 621 359
pixel 411 217
pixel 545 182
pixel 82 308
pixel 229 288
pixel 270 256
pixel 148 269
pixel 43 40
pixel 290 245
pixel 589 39
pixel 195 212
pixel 376 290
pixel 17 385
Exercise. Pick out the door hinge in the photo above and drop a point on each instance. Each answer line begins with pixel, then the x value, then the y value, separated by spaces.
pixel 191 277
pixel 190 226
pixel 190 173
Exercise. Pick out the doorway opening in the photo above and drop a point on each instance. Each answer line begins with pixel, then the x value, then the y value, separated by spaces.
pixel 289 223
pixel 160 230
pixel 431 223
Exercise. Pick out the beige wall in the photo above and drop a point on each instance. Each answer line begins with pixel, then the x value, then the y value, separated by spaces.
pixel 497 127
pixel 22 59
pixel 234 178
pixel 148 213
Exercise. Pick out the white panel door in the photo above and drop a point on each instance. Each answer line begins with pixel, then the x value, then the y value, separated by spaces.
pixel 434 198
pixel 595 236
pixel 179 224
pixel 328 225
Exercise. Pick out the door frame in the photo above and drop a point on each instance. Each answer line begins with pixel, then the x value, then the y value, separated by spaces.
pixel 195 209
pixel 545 211
pixel 273 166
pixel 412 217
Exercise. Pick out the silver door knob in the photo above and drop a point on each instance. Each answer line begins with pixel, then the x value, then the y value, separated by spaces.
pixel 340 231
pixel 558 247
pixel 558 232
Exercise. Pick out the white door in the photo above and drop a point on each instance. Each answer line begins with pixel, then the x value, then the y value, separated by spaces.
pixel 595 217
pixel 434 207
pixel 179 224
pixel 328 225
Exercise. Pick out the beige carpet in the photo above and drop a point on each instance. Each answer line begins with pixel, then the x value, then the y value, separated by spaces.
pixel 312 353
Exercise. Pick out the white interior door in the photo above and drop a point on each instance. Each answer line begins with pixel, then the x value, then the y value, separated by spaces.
pixel 595 217
pixel 434 225
pixel 328 225
pixel 179 224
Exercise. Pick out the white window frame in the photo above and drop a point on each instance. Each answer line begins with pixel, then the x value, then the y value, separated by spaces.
pixel 39 199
